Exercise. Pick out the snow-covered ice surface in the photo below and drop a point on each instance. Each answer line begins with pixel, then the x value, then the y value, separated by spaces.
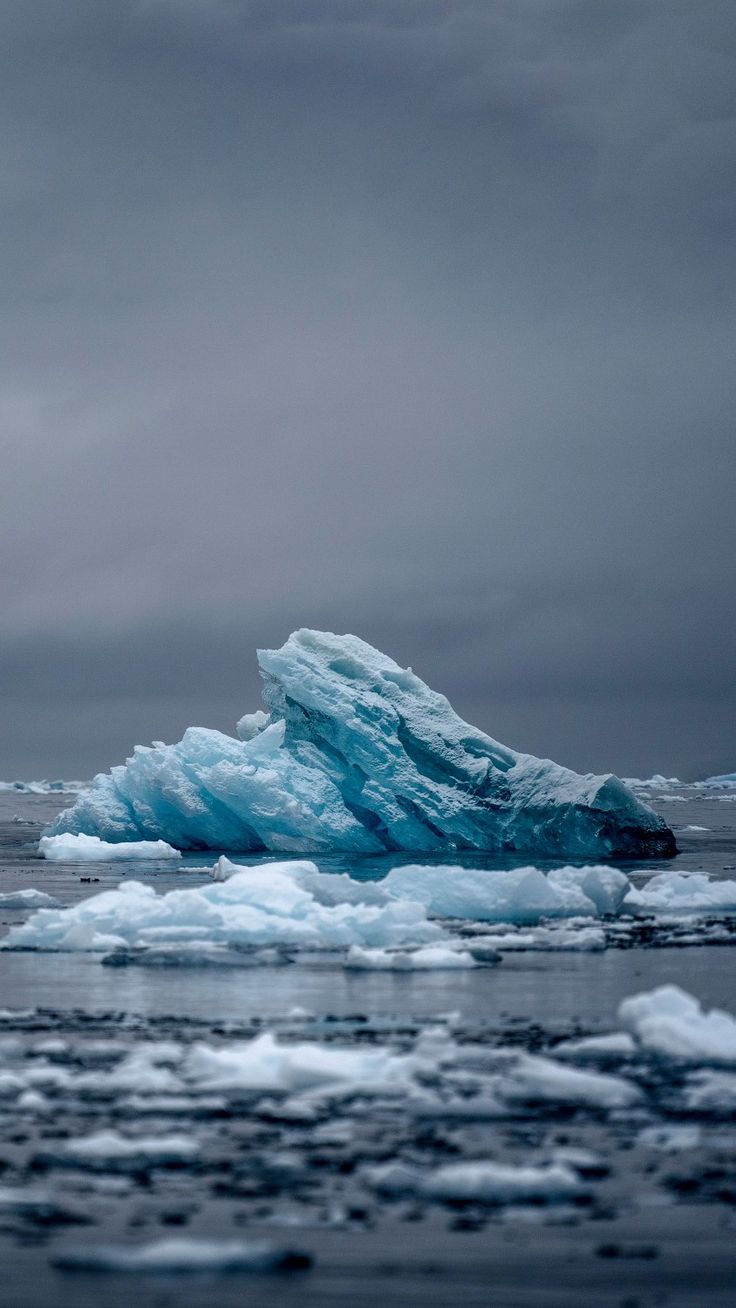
pixel 90 849
pixel 357 754
pixel 423 1076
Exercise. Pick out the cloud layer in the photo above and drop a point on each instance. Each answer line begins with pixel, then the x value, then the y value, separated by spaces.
pixel 412 320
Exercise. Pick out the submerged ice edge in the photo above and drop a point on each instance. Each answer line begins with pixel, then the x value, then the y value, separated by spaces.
pixel 356 754
pixel 291 906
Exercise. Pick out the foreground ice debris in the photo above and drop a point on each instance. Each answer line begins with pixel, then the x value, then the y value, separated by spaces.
pixel 356 753
pixel 266 1063
pixel 671 1023
pixel 110 1150
pixel 90 849
pixel 477 1182
pixel 183 1254
pixel 28 898
pixel 428 958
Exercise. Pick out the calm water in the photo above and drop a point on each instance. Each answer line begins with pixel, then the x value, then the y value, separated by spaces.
pixel 659 1229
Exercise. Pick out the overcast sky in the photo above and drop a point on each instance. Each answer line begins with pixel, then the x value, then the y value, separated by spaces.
pixel 408 318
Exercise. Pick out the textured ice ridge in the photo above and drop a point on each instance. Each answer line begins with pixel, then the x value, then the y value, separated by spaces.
pixel 357 754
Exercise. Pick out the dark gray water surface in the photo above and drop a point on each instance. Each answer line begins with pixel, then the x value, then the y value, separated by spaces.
pixel 658 1227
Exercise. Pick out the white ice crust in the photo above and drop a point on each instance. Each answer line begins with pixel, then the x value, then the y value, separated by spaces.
pixel 356 753
pixel 91 849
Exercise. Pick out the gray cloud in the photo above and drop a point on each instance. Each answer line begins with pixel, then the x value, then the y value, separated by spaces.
pixel 410 320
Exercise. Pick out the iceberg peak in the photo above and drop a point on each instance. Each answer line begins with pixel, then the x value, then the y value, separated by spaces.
pixel 355 753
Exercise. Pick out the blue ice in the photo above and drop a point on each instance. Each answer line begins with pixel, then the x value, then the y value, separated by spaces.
pixel 355 753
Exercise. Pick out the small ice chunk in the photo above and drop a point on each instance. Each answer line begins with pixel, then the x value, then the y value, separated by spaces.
pixel 533 1079
pixel 670 1139
pixel 427 959
pixel 109 1149
pixel 522 896
pixel 182 1254
pixel 671 1023
pixel 545 939
pixel 90 849
pixel 725 779
pixel 252 724
pixel 477 1182
pixel 496 1183
pixel 598 1049
pixel 712 1094
pixel 393 1179
pixel 652 783
pixel 28 898
pixel 683 892
pixel 36 1204
pixel 267 1064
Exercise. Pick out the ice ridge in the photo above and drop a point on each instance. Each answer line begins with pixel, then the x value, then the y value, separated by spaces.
pixel 357 754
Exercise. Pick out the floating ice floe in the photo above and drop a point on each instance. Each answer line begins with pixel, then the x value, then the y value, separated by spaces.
pixel 39 1205
pixel 182 1254
pixel 90 849
pixel 712 1094
pixel 651 783
pixel 109 1150
pixel 670 1139
pixel 284 903
pixel 574 936
pixel 533 1079
pixel 523 895
pixel 291 905
pixel 477 1182
pixel 28 898
pixel 356 753
pixel 724 780
pixel 612 1048
pixel 671 1023
pixel 683 893
pixel 44 787
pixel 267 1064
pixel 427 958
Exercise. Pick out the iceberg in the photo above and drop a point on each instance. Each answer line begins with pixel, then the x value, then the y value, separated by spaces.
pixel 357 754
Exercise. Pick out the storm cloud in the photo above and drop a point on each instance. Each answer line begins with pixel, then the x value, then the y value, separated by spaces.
pixel 409 319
